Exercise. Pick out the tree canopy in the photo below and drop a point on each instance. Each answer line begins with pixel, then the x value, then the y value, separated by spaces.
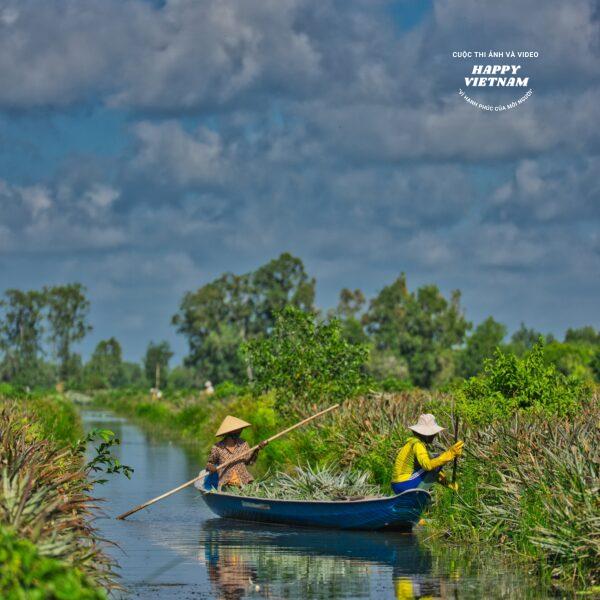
pixel 220 315
pixel 419 326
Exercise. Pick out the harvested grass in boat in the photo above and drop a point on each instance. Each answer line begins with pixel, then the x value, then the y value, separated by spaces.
pixel 312 483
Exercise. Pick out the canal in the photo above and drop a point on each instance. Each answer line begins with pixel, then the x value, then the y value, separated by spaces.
pixel 178 549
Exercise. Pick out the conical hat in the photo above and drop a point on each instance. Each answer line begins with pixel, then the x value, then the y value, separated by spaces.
pixel 230 424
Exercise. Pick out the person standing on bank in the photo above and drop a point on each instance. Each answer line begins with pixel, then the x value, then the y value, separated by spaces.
pixel 414 466
pixel 228 448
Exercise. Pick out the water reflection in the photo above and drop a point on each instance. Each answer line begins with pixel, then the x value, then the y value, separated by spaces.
pixel 308 563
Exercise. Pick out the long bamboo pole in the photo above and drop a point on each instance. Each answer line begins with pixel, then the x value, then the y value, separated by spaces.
pixel 225 464
pixel 455 463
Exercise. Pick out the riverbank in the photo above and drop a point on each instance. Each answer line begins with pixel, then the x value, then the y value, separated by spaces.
pixel 48 548
pixel 528 483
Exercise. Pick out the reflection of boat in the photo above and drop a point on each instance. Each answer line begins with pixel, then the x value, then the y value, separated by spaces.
pixel 335 564
pixel 402 552
pixel 398 512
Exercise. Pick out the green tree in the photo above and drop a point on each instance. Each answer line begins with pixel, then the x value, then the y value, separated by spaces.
pixel 156 363
pixel 222 314
pixel 21 332
pixel 421 327
pixel 583 335
pixel 281 282
pixel 105 367
pixel 348 311
pixel 481 345
pixel 306 360
pixel 68 310
pixel 132 374
pixel 221 358
pixel 222 304
pixel 524 339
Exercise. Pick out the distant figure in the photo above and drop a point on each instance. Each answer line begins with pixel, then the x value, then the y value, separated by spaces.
pixel 414 467
pixel 155 393
pixel 229 447
pixel 209 389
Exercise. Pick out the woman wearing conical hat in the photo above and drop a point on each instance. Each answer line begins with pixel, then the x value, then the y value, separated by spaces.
pixel 414 466
pixel 230 446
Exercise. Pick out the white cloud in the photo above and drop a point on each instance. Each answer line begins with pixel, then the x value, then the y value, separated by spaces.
pixel 165 151
pixel 37 199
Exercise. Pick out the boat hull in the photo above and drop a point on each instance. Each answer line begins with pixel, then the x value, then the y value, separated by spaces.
pixel 400 512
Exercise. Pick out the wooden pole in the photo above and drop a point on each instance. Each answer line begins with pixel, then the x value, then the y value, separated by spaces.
pixel 225 464
pixel 455 463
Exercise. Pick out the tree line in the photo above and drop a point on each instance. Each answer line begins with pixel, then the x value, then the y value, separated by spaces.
pixel 417 337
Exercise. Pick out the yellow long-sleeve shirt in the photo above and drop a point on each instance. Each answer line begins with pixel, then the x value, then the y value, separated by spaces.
pixel 414 456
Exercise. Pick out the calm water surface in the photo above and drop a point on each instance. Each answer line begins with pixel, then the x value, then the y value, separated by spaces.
pixel 178 549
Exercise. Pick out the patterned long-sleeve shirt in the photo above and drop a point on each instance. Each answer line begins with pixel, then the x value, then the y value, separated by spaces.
pixel 237 473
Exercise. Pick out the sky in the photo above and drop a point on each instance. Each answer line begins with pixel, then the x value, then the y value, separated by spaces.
pixel 148 146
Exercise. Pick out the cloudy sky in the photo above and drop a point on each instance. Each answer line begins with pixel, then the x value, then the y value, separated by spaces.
pixel 147 146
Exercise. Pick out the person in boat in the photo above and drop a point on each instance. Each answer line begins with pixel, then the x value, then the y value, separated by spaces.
pixel 230 446
pixel 415 466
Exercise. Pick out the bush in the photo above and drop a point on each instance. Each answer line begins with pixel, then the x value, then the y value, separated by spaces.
pixel 28 575
pixel 306 360
pixel 392 384
pixel 570 359
pixel 227 389
pixel 510 384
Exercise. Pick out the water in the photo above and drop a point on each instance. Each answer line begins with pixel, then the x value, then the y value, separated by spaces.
pixel 178 549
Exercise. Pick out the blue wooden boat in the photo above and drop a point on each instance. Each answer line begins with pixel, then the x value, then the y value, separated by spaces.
pixel 399 512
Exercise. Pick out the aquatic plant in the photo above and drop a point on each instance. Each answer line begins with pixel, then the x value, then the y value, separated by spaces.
pixel 312 483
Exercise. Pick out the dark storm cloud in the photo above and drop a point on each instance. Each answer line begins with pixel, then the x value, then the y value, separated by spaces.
pixel 259 126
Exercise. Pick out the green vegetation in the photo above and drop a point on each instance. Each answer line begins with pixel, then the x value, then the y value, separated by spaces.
pixel 532 484
pixel 218 317
pixel 326 482
pixel 510 384
pixel 59 311
pixel 48 547
pixel 422 327
pixel 416 337
pixel 156 363
pixel 26 574
pixel 306 361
